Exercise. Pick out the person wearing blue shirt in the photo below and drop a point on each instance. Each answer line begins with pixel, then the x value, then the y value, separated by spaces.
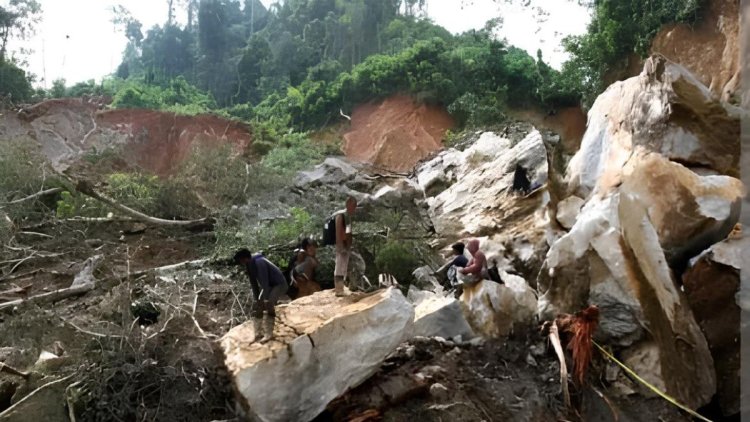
pixel 268 285
pixel 458 260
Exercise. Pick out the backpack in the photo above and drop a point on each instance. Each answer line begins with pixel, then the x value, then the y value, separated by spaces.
pixel 329 231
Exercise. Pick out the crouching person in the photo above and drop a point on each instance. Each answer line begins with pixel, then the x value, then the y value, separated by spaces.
pixel 268 285
pixel 476 270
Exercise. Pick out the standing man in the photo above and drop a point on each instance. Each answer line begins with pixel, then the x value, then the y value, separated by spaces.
pixel 343 221
pixel 268 284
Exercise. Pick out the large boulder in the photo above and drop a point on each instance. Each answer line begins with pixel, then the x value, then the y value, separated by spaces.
pixel 493 310
pixel 437 315
pixel 333 171
pixel 323 346
pixel 665 110
pixel 468 194
pixel 656 170
pixel 711 284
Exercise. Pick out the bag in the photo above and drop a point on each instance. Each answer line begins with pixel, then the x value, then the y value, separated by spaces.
pixel 329 231
pixel 494 274
pixel 290 267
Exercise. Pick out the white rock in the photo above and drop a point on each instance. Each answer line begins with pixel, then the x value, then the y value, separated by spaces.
pixel 568 210
pixel 440 316
pixel 492 309
pixel 324 346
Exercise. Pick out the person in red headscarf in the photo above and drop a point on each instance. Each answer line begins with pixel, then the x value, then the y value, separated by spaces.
pixel 476 271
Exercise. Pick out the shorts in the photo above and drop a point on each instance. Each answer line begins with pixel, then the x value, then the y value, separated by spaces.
pixel 342 263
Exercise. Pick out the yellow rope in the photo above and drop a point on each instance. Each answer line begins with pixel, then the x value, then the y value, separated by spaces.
pixel 651 387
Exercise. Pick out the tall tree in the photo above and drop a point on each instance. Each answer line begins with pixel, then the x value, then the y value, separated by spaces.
pixel 17 19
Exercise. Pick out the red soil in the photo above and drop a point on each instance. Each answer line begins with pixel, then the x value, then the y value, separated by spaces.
pixel 160 141
pixel 396 133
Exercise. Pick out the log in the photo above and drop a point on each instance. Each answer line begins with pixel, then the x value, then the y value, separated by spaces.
pixel 53 296
pixel 36 195
pixel 85 188
pixel 554 337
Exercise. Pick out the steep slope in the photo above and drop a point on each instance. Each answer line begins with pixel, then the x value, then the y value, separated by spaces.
pixel 396 133
pixel 67 129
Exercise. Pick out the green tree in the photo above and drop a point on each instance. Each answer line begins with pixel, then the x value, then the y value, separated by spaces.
pixel 17 20
pixel 14 83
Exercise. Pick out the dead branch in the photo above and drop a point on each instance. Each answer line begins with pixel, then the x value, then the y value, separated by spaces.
pixel 91 333
pixel 179 309
pixel 10 370
pixel 88 190
pixel 34 196
pixel 554 337
pixel 21 403
pixel 53 296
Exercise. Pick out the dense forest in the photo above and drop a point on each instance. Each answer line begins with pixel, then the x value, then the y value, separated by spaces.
pixel 296 64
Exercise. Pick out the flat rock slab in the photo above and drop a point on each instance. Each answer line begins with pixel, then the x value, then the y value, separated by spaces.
pixel 324 345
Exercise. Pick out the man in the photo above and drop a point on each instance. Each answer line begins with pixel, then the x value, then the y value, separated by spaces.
pixel 476 271
pixel 344 239
pixel 457 261
pixel 268 285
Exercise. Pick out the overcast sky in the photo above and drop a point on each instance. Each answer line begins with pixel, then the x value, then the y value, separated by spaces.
pixel 76 39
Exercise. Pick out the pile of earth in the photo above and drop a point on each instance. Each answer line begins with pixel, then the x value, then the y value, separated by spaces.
pixel 70 128
pixel 396 133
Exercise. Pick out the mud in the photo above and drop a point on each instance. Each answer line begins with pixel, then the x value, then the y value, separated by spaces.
pixel 396 133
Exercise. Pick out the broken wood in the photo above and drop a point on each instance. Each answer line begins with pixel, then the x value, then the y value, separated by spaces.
pixel 53 296
pixel 554 337
pixel 87 189
pixel 52 191
pixel 10 370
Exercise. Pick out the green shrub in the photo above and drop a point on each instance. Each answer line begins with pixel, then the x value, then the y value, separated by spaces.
pixel 398 260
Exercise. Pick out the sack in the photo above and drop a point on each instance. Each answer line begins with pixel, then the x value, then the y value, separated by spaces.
pixel 329 231
pixel 494 274
pixel 453 275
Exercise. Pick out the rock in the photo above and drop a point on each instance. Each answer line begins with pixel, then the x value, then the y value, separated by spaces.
pixel 439 392
pixel 658 181
pixel 568 210
pixel 438 316
pixel 711 284
pixel 493 310
pixel 50 363
pixel 323 346
pixel 425 280
pixel 645 360
pixel 46 403
pixel 333 171
pixel 481 200
pixel 688 211
pixel 86 276
pixel 665 110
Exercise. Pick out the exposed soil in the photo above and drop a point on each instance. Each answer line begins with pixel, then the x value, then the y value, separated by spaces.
pixel 708 49
pixel 396 133
pixel 160 141
pixel 68 129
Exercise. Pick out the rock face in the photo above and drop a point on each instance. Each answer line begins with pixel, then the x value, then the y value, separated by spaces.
pixel 711 284
pixel 324 346
pixel 396 133
pixel 658 180
pixel 67 129
pixel 493 310
pixel 664 110
pixel 468 194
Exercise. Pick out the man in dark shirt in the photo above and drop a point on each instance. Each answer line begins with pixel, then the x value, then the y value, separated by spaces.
pixel 268 284
pixel 458 260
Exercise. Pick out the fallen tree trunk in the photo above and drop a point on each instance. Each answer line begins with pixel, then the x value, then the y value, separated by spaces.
pixel 85 188
pixel 52 296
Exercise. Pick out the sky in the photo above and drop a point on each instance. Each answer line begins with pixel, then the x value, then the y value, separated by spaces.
pixel 77 41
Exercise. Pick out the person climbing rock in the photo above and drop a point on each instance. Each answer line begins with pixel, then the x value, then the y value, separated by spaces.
pixel 476 270
pixel 268 285
pixel 521 183
pixel 343 228
pixel 303 271
pixel 457 261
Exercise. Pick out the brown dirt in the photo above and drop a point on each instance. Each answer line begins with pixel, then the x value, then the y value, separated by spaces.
pixel 160 141
pixel 396 133
pixel 156 141
pixel 569 123
pixel 709 49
